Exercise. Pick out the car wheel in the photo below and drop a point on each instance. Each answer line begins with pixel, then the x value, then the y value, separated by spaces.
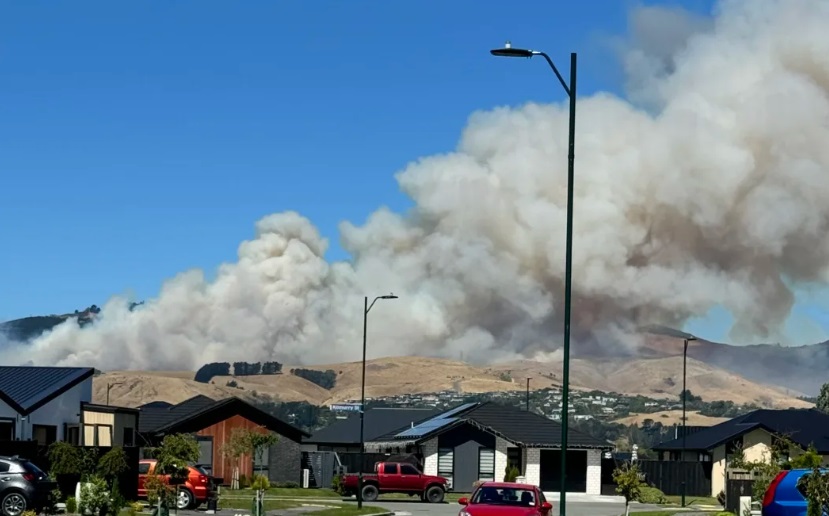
pixel 370 493
pixel 184 499
pixel 13 504
pixel 434 494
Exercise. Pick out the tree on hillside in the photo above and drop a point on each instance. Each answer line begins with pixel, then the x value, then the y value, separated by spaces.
pixel 822 403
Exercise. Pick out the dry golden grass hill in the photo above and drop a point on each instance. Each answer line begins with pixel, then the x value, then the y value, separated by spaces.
pixel 672 417
pixel 654 377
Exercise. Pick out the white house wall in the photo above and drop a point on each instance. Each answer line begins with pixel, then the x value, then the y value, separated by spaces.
pixel 500 458
pixel 594 472
pixel 532 469
pixel 430 456
pixel 65 408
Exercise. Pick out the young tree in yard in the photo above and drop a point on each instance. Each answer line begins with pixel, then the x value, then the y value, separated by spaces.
pixel 823 399
pixel 176 453
pixel 247 441
pixel 815 485
pixel 628 483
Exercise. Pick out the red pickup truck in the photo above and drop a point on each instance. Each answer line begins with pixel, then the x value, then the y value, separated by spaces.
pixel 396 477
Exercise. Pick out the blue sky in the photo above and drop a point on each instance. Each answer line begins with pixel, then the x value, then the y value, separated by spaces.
pixel 140 139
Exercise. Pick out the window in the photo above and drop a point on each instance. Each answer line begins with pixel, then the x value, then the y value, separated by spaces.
pixel 446 463
pixel 97 435
pixel 408 469
pixel 72 435
pixel 704 457
pixel 505 496
pixel 143 468
pixel 129 437
pixel 206 453
pixel 260 461
pixel 486 464
pixel 44 434
pixel 390 469
pixel 514 458
pixel 4 466
pixel 6 430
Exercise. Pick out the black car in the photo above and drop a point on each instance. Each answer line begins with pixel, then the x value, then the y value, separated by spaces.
pixel 23 486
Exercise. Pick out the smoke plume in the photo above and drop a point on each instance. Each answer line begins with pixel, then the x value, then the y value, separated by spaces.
pixel 715 194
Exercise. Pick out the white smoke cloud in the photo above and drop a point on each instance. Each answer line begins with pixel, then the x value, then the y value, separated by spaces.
pixel 713 199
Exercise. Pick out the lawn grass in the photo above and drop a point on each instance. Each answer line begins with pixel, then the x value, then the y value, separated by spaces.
pixel 350 510
pixel 692 500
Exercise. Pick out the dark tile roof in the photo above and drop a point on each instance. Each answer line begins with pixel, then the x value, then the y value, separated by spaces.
pixel 27 388
pixel 528 428
pixel 378 421
pixel 199 412
pixel 513 424
pixel 803 426
pixel 155 415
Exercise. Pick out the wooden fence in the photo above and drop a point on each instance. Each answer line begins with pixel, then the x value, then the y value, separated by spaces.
pixel 671 477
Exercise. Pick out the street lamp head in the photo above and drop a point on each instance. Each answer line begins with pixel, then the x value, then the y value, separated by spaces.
pixel 508 51
pixel 390 296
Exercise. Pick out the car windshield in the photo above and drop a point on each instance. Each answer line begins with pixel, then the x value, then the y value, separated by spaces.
pixel 505 496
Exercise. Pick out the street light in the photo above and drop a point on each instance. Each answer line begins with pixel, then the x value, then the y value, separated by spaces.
pixel 509 51
pixel 367 308
pixel 528 394
pixel 688 338
pixel 109 388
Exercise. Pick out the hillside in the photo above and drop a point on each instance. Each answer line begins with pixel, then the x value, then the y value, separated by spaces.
pixel 671 417
pixel 657 378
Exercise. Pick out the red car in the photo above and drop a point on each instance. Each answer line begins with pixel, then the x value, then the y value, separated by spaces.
pixel 396 477
pixel 505 499
pixel 196 490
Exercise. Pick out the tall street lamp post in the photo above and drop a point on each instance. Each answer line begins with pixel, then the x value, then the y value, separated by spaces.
pixel 528 394
pixel 684 399
pixel 366 309
pixel 509 51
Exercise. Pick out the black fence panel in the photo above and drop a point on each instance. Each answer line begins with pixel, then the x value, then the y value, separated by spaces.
pixel 671 476
pixel 734 489
pixel 351 461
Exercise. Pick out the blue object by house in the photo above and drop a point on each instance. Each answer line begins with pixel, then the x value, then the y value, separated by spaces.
pixel 783 498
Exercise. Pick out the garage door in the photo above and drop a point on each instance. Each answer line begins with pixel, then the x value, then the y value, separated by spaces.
pixel 576 471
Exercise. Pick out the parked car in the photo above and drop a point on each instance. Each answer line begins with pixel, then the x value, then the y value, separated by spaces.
pixel 23 486
pixel 783 497
pixel 396 477
pixel 505 499
pixel 196 490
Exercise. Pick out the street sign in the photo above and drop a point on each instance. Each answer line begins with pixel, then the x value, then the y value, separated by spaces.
pixel 346 407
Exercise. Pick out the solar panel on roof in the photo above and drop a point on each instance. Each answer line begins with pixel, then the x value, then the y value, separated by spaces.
pixel 456 410
pixel 426 427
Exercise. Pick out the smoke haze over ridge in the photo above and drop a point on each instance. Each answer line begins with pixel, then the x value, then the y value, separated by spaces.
pixel 708 189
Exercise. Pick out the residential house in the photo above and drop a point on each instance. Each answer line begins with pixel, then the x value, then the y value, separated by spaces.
pixel 106 425
pixel 212 422
pixel 343 436
pixel 476 441
pixel 754 434
pixel 48 404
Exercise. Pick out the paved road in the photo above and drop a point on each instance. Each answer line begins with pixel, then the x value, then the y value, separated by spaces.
pixel 451 509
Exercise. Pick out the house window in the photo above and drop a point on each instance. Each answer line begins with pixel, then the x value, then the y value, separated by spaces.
pixel 514 458
pixel 129 437
pixel 486 464
pixel 704 457
pixel 446 463
pixel 44 434
pixel 205 453
pixel 6 430
pixel 260 461
pixel 97 435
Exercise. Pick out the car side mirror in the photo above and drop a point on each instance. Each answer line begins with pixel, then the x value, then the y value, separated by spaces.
pixel 546 507
pixel 463 501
